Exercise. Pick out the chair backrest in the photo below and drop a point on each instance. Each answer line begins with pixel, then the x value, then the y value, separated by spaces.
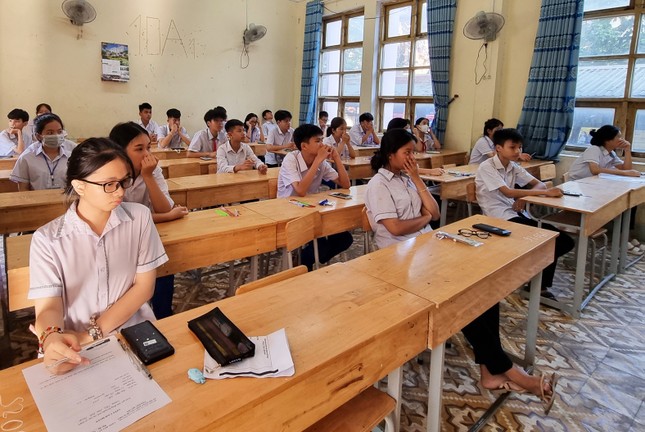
pixel 365 221
pixel 275 278
pixel 547 172
pixel 301 231
pixel 184 169
pixel 471 192
pixel 565 177
pixel 273 188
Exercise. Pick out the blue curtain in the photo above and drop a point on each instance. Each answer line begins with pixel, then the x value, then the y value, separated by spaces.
pixel 441 19
pixel 310 60
pixel 547 111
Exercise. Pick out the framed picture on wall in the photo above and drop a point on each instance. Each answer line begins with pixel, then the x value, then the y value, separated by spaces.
pixel 115 65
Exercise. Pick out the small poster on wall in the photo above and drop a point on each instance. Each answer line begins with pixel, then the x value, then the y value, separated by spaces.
pixel 115 65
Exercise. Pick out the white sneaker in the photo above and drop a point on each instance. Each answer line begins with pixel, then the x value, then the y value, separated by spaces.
pixel 635 242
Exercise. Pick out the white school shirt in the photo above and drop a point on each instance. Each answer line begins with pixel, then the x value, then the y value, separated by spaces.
pixel 36 168
pixel 294 168
pixel 598 154
pixel 390 196
pixel 491 175
pixel 152 126
pixel 139 193
pixel 267 127
pixel 202 142
pixel 91 272
pixel 356 134
pixel 255 135
pixel 176 142
pixel 479 153
pixel 276 137
pixel 9 142
pixel 329 140
pixel 227 158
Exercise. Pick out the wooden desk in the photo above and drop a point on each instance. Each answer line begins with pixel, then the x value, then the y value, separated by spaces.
pixel 360 167
pixel 258 148
pixel 337 322
pixel 7 185
pixel 162 154
pixel 463 281
pixel 365 151
pixel 204 164
pixel 7 163
pixel 29 210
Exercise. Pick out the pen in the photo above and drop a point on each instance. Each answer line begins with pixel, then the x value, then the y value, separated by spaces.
pixel 66 359
pixel 300 203
pixel 136 359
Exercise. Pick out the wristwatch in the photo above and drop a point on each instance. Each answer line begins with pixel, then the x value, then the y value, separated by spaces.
pixel 94 330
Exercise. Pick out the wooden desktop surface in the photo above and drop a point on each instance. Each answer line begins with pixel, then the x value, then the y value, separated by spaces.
pixel 260 149
pixel 337 321
pixel 203 164
pixel 635 185
pixel 168 153
pixel 29 210
pixel 7 163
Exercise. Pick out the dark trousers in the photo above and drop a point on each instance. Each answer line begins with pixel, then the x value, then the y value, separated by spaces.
pixel 483 335
pixel 563 244
pixel 162 298
pixel 328 247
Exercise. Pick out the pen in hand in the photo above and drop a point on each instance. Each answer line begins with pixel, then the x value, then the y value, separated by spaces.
pixel 67 359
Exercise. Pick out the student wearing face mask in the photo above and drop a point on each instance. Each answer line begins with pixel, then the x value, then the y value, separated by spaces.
pixel 426 138
pixel 43 165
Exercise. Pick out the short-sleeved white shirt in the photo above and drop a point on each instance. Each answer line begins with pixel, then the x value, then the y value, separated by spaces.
pixel 227 158
pixel 36 168
pixel 90 272
pixel 491 175
pixel 356 134
pixel 152 127
pixel 9 142
pixel 276 137
pixel 176 142
pixel 139 193
pixel 597 154
pixel 294 168
pixel 390 196
pixel 255 135
pixel 267 127
pixel 483 146
pixel 202 142
pixel 329 140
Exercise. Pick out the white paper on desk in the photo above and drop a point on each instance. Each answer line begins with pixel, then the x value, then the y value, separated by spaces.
pixel 272 359
pixel 108 395
pixel 627 179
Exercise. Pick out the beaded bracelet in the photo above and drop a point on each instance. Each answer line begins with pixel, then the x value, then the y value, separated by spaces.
pixel 45 334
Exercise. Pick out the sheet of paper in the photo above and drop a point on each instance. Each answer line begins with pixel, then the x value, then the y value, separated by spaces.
pixel 272 359
pixel 108 395
pixel 640 179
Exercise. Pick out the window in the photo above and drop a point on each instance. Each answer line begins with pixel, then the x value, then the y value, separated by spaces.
pixel 405 81
pixel 341 62
pixel 611 72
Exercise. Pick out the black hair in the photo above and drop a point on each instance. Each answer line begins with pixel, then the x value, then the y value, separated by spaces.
pixel 365 117
pixel 18 114
pixel 219 107
pixel 304 133
pixel 43 120
pixel 322 114
pixel 391 142
pixel 282 115
pixel 398 123
pixel 40 105
pixel 491 124
pixel 606 133
pixel 123 133
pixel 249 116
pixel 336 122
pixel 265 112
pixel 174 113
pixel 232 123
pixel 508 134
pixel 91 155
pixel 145 105
pixel 217 113
pixel 419 120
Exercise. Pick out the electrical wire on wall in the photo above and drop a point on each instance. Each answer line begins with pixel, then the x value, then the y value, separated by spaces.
pixel 479 79
pixel 244 56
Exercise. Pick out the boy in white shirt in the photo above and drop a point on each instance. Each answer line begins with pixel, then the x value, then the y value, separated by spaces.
pixel 206 142
pixel 363 133
pixel 267 122
pixel 235 156
pixel 16 138
pixel 279 138
pixel 172 135
pixel 146 121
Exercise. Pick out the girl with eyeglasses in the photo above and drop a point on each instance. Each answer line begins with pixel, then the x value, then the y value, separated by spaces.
pixel 44 163
pixel 93 269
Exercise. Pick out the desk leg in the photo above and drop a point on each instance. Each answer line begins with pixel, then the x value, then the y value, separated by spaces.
pixel 435 388
pixel 615 244
pixel 624 238
pixel 444 211
pixel 254 268
pixel 581 264
pixel 532 320
pixel 394 389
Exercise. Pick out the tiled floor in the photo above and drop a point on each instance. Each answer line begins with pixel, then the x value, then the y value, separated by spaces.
pixel 600 358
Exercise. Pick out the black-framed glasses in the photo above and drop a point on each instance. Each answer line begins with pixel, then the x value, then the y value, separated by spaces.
pixel 469 233
pixel 113 186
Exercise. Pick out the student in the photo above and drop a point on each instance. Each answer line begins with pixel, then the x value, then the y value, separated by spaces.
pixel 363 133
pixel 145 120
pixel 16 137
pixel 496 194
pixel 399 123
pixel 253 133
pixel 206 141
pixel 172 135
pixel 484 147
pixel 338 137
pixel 92 270
pixel 323 117
pixel 151 190
pixel 302 172
pixel 600 156
pixel 41 108
pixel 44 163
pixel 279 138
pixel 235 155
pixel 267 122
pixel 425 136
pixel 399 205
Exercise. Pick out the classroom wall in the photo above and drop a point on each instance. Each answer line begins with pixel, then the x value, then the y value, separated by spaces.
pixel 182 54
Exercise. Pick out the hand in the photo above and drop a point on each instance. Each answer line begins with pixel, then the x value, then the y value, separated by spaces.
pixel 436 171
pixel 262 169
pixel 63 345
pixel 212 154
pixel 244 166
pixel 324 152
pixel 148 165
pixel 525 157
pixel 292 146
pixel 624 144
pixel 632 173
pixel 153 137
pixel 178 212
pixel 411 167
pixel 335 156
pixel 519 205
pixel 15 131
pixel 345 138
pixel 174 129
pixel 553 192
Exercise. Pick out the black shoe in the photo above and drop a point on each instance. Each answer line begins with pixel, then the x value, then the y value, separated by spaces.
pixel 548 294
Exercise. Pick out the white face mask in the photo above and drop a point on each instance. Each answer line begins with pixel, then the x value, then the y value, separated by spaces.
pixel 423 128
pixel 53 141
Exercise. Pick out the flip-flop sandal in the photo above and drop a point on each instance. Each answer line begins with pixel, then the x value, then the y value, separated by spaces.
pixel 511 387
pixel 547 400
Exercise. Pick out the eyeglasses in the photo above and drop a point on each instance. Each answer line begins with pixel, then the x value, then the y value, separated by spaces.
pixel 469 233
pixel 113 186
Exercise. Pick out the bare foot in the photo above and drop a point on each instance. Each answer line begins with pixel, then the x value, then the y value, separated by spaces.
pixel 490 381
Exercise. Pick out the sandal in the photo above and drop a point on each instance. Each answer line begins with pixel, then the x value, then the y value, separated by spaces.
pixel 547 294
pixel 510 386
pixel 547 400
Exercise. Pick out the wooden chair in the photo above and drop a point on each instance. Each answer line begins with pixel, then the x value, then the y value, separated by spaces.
pixel 273 188
pixel 547 172
pixel 298 233
pixel 183 170
pixel 471 197
pixel 367 232
pixel 275 278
